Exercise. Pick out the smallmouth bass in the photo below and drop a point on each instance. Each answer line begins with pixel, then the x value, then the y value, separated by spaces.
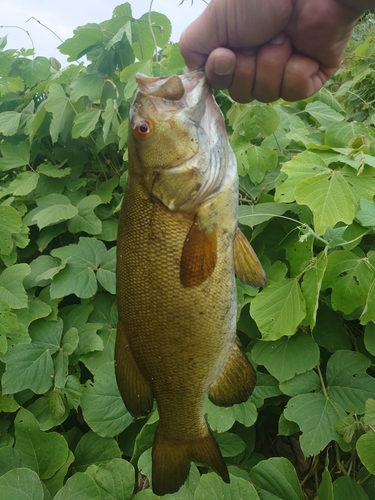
pixel 177 251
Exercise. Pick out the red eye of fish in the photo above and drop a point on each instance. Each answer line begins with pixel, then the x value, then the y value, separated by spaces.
pixel 143 128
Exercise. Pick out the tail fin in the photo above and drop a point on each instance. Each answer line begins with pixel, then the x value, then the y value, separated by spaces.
pixel 171 461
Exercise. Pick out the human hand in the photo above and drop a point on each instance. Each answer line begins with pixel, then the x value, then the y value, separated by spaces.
pixel 269 49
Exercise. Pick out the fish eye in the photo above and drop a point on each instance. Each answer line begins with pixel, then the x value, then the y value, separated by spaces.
pixel 143 128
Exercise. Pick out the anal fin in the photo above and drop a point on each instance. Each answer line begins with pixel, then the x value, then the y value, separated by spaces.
pixel 246 263
pixel 235 382
pixel 199 255
pixel 134 388
pixel 171 460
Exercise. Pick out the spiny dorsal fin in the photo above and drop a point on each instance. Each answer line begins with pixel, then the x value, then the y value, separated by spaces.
pixel 246 264
pixel 199 255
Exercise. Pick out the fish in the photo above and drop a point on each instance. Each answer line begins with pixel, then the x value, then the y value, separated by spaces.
pixel 178 247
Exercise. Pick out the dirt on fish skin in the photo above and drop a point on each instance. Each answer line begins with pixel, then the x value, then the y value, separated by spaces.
pixel 177 240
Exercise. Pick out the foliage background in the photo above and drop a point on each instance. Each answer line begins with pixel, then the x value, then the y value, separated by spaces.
pixel 307 177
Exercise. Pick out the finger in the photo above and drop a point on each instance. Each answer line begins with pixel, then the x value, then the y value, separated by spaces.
pixel 271 61
pixel 303 77
pixel 241 88
pixel 220 67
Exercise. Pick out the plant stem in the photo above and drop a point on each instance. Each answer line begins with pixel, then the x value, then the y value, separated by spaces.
pixel 152 32
pixel 322 381
pixel 44 26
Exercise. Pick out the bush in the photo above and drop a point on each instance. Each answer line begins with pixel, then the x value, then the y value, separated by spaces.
pixel 307 184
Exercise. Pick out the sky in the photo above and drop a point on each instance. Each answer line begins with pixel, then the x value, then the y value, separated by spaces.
pixel 63 16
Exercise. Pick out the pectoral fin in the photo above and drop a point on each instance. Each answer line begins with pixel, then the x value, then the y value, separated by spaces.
pixel 235 382
pixel 199 254
pixel 246 263
pixel 134 388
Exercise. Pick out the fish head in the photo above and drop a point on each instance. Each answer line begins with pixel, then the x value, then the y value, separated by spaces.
pixel 175 125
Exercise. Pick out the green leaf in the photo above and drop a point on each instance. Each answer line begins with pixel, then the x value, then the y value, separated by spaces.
pixel 14 155
pixel 102 405
pixel 24 183
pixel 325 490
pixel 107 272
pixel 211 487
pixel 370 338
pixel 87 85
pixel 348 384
pixel 84 123
pixel 9 121
pixel 369 418
pixel 329 197
pixel 10 223
pixel 161 26
pixel 53 171
pixel 11 288
pixel 276 478
pixel 47 334
pixel 338 135
pixel 84 38
pixel 230 444
pixel 346 427
pixel 36 70
pixel 301 384
pixel 93 449
pixel 311 285
pixel 79 487
pixel 287 357
pixel 368 313
pixel 344 488
pixel 323 113
pixel 41 452
pixel 58 104
pixel 86 220
pixel 301 167
pixel 350 278
pixel 260 119
pixel 261 160
pixel 115 479
pixel 28 367
pixel 256 214
pixel 78 275
pixel 278 309
pixel 51 210
pixel 366 216
pixel 221 419
pixel 21 484
pixel 8 324
pixel 317 418
pixel 366 451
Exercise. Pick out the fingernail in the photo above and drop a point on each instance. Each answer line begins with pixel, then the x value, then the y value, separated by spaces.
pixel 223 66
pixel 279 39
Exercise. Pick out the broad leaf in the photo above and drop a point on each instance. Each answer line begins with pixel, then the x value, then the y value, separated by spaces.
pixel 256 214
pixel 278 309
pixel 93 449
pixel 11 288
pixel 21 484
pixel 85 122
pixel 350 278
pixel 211 487
pixel 42 452
pixel 317 418
pixel 221 419
pixel 28 367
pixel 287 357
pixel 78 275
pixel 311 285
pixel 276 478
pixel 366 451
pixel 348 384
pixel 14 155
pixel 102 405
